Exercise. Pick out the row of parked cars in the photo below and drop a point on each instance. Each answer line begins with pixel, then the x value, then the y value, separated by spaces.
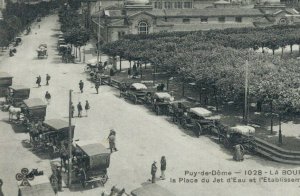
pixel 189 115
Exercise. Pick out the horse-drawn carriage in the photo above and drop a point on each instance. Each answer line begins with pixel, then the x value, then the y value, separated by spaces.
pixel 201 121
pixel 5 82
pixel 90 162
pixel 34 110
pixel 151 190
pixel 178 108
pixel 161 102
pixel 51 136
pixel 240 134
pixel 42 51
pixel 16 95
pixel 38 185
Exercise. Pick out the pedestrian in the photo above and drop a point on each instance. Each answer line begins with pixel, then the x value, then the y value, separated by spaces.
pixel 38 81
pixel 97 85
pixel 82 177
pixel 238 154
pixel 59 179
pixel 79 108
pixel 87 107
pixel 112 142
pixel 163 167
pixel 54 183
pixel 129 73
pixel 47 79
pixel 1 184
pixel 153 171
pixel 47 97
pixel 81 84
pixel 72 110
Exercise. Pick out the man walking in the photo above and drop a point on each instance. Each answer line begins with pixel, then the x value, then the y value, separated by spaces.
pixel 47 97
pixel 38 81
pixel 97 85
pixel 81 84
pixel 112 141
pixel 86 107
pixel 72 110
pixel 47 79
pixel 79 108
pixel 163 166
pixel 153 171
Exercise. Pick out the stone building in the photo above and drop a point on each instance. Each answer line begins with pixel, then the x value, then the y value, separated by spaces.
pixel 143 17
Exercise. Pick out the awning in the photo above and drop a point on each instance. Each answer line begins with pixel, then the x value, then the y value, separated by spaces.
pixel 92 148
pixel 139 86
pixel 201 111
pixel 35 102
pixel 57 124
pixel 244 129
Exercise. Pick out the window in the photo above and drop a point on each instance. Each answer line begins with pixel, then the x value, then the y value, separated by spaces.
pixel 178 5
pixel 221 19
pixel 238 19
pixel 121 34
pixel 143 28
pixel 157 5
pixel 186 20
pixel 188 4
pixel 168 5
pixel 204 20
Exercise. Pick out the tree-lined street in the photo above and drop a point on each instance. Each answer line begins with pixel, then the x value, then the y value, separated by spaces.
pixel 142 137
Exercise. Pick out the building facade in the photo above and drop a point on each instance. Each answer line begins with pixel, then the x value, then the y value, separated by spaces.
pixel 144 17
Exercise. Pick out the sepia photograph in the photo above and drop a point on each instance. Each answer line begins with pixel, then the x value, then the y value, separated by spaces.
pixel 149 97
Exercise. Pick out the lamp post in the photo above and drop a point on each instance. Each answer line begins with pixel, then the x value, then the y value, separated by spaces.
pixel 70 139
pixel 246 112
pixel 98 40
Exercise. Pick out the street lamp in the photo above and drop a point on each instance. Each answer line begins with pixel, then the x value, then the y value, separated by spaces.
pixel 98 40
pixel 246 112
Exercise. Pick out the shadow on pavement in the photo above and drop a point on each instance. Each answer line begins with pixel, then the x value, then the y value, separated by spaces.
pixel 16 126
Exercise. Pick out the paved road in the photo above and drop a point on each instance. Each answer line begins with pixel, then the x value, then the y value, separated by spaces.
pixel 142 137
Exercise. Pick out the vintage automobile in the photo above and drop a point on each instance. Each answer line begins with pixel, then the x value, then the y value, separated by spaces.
pixel 137 93
pixel 34 110
pixel 16 95
pixel 151 190
pixel 39 185
pixel 90 162
pixel 51 135
pixel 5 82
pixel 63 48
pixel 240 134
pixel 61 41
pixel 178 108
pixel 201 121
pixel 68 58
pixel 42 51
pixel 161 102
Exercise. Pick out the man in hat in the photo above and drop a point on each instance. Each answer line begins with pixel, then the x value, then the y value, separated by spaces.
pixel 47 79
pixel 38 81
pixel 112 142
pixel 79 108
pixel 47 97
pixel 153 171
pixel 97 85
pixel 81 84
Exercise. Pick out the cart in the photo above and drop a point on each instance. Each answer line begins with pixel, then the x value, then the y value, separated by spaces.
pixel 161 102
pixel 90 162
pixel 201 121
pixel 34 110
pixel 42 51
pixel 178 108
pixel 40 185
pixel 151 190
pixel 5 82
pixel 52 135
pixel 16 95
pixel 240 134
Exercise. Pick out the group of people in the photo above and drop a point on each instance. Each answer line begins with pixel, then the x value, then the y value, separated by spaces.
pixel 39 80
pixel 163 167
pixel 135 71
pixel 80 108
